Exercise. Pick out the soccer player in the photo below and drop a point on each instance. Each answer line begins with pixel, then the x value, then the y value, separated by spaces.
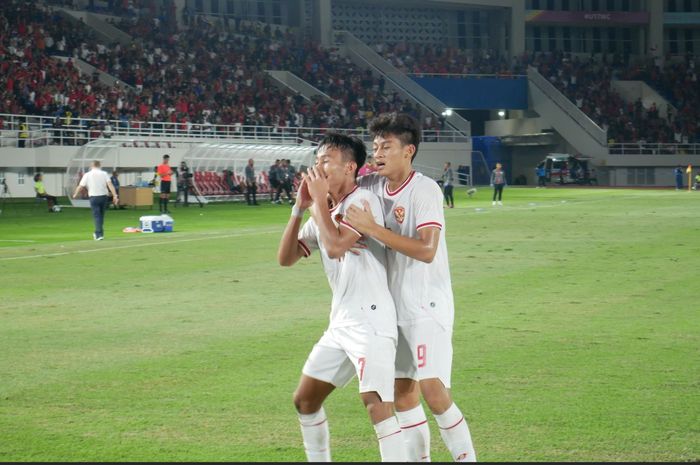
pixel 419 280
pixel 165 172
pixel 361 336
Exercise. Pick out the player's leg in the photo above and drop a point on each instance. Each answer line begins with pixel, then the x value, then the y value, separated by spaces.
pixel 373 357
pixel 166 195
pixel 308 400
pixel 433 350
pixel 409 410
pixel 326 367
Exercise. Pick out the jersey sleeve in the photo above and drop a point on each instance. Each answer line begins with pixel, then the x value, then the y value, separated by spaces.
pixel 427 206
pixel 308 237
pixel 375 206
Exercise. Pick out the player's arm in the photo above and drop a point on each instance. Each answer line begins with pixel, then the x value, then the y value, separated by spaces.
pixel 336 240
pixel 422 248
pixel 290 249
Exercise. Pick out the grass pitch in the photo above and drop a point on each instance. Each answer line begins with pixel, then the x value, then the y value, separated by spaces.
pixel 576 336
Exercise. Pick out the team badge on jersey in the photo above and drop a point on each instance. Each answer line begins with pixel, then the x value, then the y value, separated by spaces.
pixel 338 217
pixel 399 214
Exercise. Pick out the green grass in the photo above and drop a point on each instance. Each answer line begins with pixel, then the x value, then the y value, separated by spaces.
pixel 577 333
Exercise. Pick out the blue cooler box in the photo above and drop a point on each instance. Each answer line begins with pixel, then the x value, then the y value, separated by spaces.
pixel 159 223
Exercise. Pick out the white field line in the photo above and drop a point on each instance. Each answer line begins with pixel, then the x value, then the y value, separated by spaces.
pixel 11 240
pixel 145 244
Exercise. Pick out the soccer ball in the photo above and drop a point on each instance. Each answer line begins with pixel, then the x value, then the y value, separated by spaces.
pixel 56 208
pixel 471 192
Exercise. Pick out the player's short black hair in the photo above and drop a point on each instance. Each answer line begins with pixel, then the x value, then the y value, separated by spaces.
pixel 352 147
pixel 401 125
pixel 166 156
pixel 36 177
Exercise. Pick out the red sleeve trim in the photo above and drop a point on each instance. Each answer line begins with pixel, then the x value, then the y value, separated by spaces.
pixel 305 248
pixel 347 225
pixel 429 224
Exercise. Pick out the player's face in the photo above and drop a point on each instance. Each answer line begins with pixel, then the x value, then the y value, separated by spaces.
pixel 390 155
pixel 331 163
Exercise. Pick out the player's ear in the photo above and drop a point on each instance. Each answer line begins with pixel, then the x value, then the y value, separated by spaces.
pixel 410 150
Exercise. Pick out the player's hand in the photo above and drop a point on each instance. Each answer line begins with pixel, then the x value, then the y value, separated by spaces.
pixel 317 185
pixel 361 218
pixel 358 246
pixel 304 199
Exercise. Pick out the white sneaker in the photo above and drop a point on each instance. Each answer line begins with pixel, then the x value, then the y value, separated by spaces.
pixel 94 236
pixel 493 203
pixel 101 238
pixel 500 203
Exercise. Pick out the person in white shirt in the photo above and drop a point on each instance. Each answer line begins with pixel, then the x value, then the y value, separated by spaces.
pixel 361 335
pixel 413 231
pixel 98 186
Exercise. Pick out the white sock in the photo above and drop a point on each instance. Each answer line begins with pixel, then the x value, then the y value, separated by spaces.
pixel 416 433
pixel 391 443
pixel 455 434
pixel 314 431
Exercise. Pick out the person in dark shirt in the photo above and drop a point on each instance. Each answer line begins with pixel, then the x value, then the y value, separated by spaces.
pixel 274 176
pixel 251 184
pixel 115 182
pixel 498 182
pixel 233 185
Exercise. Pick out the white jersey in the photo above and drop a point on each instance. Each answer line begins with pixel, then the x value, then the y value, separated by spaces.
pixel 95 181
pixel 420 290
pixel 359 282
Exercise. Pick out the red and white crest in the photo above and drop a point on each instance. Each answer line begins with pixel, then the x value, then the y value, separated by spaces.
pixel 338 217
pixel 399 214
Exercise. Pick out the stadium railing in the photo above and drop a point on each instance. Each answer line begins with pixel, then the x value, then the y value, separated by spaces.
pixel 644 148
pixel 82 130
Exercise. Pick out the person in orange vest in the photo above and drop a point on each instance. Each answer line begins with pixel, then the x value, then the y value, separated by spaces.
pixel 165 172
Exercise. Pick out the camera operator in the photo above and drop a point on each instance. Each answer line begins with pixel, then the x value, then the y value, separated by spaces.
pixel 184 181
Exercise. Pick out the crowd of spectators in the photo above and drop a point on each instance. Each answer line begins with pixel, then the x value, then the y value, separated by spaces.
pixel 212 74
pixel 208 75
pixel 586 82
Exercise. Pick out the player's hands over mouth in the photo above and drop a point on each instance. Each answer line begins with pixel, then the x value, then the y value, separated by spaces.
pixel 361 218
pixel 317 185
pixel 304 199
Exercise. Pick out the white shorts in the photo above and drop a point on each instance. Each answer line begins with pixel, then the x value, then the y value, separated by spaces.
pixel 342 353
pixel 424 351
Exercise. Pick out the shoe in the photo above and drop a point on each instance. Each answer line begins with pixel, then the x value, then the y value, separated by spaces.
pixel 493 203
pixel 452 206
pixel 94 236
pixel 100 238
pixel 500 203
